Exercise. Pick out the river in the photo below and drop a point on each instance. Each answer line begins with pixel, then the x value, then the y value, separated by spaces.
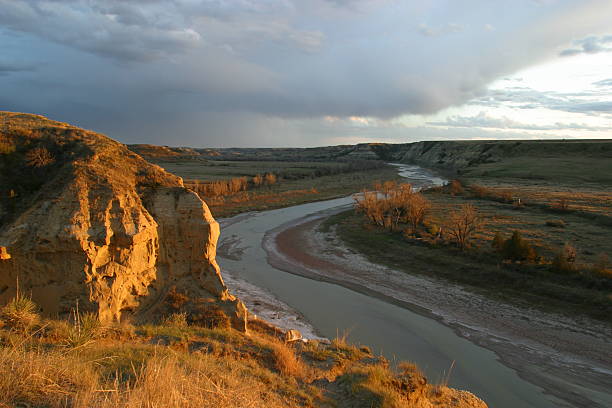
pixel 325 309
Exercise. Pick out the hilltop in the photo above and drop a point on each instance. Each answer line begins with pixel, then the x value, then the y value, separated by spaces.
pixel 85 220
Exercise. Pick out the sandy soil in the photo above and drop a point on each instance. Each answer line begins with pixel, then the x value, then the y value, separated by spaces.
pixel 569 357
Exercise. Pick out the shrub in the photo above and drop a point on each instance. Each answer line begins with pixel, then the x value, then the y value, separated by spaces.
pixel 286 361
pixel 39 157
pixel 555 223
pixel 456 188
pixel 399 203
pixel 257 180
pixel 463 224
pixel 270 178
pixel 417 208
pixel 564 261
pixel 20 313
pixel 498 241
pixel 175 320
pixel 176 299
pixel 434 229
pixel 211 316
pixel 83 330
pixel 479 191
pixel 518 249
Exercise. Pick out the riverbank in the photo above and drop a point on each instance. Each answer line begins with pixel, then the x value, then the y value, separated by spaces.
pixel 568 357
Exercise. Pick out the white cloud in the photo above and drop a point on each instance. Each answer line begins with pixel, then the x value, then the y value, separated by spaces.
pixel 484 120
pixel 449 28
pixel 589 45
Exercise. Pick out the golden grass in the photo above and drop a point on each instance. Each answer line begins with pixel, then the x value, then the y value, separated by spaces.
pixel 286 361
pixel 56 379
pixel 42 378
pixel 126 374
pixel 194 367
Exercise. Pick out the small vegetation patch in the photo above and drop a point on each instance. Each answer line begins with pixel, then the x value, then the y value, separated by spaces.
pixel 20 313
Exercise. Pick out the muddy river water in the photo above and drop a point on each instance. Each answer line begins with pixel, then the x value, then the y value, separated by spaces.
pixel 327 309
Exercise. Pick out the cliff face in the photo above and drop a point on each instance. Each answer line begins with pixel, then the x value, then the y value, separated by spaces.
pixel 93 223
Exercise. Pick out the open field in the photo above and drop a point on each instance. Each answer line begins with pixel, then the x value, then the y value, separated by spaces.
pixel 585 287
pixel 222 170
pixel 568 171
pixel 296 182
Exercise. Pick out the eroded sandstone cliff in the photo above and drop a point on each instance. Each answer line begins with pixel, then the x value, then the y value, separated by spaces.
pixel 84 220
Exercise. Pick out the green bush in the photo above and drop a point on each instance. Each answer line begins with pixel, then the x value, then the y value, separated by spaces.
pixel 518 249
pixel 83 330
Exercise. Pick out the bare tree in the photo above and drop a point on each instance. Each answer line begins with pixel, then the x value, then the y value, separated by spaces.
pixel 398 203
pixel 417 209
pixel 270 179
pixel 456 188
pixel 463 223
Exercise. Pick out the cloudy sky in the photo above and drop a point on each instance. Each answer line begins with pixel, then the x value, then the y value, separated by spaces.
pixel 221 73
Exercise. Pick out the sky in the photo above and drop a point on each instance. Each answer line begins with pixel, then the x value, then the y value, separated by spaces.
pixel 267 73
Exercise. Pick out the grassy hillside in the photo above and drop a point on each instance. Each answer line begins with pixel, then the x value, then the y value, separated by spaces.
pixel 78 363
pixel 556 161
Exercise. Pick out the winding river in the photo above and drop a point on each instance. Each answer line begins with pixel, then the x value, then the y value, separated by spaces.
pixel 327 309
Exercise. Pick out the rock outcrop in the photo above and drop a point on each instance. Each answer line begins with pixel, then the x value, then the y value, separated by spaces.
pixel 95 224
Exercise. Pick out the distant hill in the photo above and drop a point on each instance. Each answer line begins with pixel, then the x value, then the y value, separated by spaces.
pixel 585 159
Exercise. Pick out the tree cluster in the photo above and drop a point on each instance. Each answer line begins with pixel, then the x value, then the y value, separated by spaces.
pixel 392 205
pixel 232 186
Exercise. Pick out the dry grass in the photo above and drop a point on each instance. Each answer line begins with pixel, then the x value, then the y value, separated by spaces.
pixel 286 361
pixel 179 365
pixel 56 379
pixel 42 378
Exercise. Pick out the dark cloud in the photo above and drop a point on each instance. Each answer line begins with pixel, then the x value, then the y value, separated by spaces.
pixel 13 67
pixel 221 70
pixel 126 31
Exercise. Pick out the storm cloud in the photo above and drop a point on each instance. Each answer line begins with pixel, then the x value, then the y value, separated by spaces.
pixel 254 72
